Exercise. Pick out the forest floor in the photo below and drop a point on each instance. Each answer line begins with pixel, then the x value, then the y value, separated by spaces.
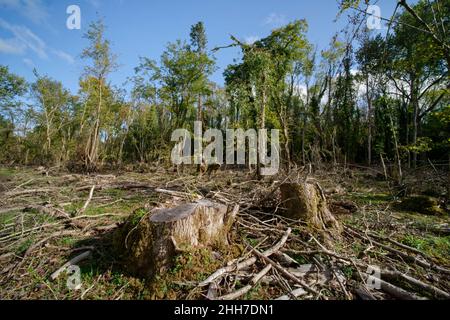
pixel 47 219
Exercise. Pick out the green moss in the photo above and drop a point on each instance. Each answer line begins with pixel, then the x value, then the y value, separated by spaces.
pixel 137 216
pixel 421 204
pixel 189 267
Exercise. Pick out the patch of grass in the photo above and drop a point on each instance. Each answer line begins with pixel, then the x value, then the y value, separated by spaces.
pixel 348 271
pixel 300 259
pixel 438 247
pixel 357 248
pixel 114 193
pixel 23 246
pixel 251 241
pixel 6 218
pixel 90 211
pixel 67 241
pixel 7 172
pixel 415 242
pixel 258 292
pixel 370 198
pixel 95 211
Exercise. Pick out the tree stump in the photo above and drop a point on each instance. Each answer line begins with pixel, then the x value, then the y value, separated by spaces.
pixel 306 202
pixel 148 243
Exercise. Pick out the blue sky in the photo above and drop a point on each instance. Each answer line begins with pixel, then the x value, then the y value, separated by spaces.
pixel 33 33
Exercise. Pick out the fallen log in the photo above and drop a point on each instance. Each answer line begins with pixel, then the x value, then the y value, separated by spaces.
pixel 436 292
pixel 397 292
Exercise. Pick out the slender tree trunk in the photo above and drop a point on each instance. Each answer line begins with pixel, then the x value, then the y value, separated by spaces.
pixel 397 152
pixel 287 144
pixel 94 138
pixel 369 121
pixel 262 125
pixel 415 105
pixel 407 136
pixel 304 124
pixel 200 109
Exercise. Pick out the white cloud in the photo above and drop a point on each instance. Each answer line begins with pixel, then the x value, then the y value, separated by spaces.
pixel 64 56
pixel 24 39
pixel 275 20
pixel 34 10
pixel 29 63
pixel 251 39
pixel 11 46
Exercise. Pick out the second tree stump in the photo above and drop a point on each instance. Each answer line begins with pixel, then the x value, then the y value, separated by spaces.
pixel 307 203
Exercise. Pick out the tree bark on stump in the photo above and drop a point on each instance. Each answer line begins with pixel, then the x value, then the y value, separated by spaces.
pixel 149 243
pixel 307 203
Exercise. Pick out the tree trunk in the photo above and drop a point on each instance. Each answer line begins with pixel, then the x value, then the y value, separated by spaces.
pixel 92 147
pixel 415 105
pixel 148 244
pixel 199 109
pixel 262 125
pixel 369 120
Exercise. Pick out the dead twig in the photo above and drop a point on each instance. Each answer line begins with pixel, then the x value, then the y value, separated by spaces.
pixel 86 204
pixel 247 288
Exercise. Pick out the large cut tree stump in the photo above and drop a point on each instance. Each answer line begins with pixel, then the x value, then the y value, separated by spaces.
pixel 148 243
pixel 306 202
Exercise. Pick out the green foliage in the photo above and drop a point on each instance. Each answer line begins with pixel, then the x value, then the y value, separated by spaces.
pixel 11 87
pixel 388 95
pixel 422 145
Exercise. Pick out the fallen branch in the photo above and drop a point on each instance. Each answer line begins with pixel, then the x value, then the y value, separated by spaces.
pixel 397 292
pixel 295 294
pixel 286 273
pixel 29 191
pixel 71 262
pixel 247 288
pixel 86 204
pixel 175 193
pixel 49 210
pixel 246 263
pixel 403 255
pixel 417 283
